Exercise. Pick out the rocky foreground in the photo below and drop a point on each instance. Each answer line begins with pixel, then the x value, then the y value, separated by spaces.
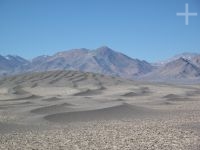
pixel 116 135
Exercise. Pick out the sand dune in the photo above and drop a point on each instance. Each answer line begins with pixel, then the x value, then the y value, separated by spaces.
pixel 51 99
pixel 171 96
pixel 89 92
pixel 52 109
pixel 74 110
pixel 193 93
pixel 124 111
pixel 31 97
pixel 177 98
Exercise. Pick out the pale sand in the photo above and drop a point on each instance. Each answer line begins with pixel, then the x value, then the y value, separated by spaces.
pixel 73 110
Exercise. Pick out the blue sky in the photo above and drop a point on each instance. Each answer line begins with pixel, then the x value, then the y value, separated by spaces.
pixel 144 29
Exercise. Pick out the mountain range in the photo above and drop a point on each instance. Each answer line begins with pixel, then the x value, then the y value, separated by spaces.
pixel 106 61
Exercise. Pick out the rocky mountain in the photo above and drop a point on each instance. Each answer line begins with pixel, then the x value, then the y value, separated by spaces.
pixel 196 60
pixel 187 56
pixel 179 70
pixel 106 61
pixel 102 60
pixel 13 64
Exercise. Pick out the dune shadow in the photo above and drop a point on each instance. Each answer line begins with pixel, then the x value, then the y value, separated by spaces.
pixel 116 112
pixel 51 99
pixel 89 92
pixel 52 109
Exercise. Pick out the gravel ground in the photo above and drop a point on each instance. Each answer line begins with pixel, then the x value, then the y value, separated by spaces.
pixel 113 135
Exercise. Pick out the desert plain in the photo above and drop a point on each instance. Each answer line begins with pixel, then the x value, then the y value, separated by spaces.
pixel 71 110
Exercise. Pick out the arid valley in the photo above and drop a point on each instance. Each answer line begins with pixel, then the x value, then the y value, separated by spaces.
pixel 72 110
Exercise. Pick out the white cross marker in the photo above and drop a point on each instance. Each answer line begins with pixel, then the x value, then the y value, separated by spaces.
pixel 187 14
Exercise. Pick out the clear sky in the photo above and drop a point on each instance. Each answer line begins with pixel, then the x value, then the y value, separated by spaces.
pixel 144 29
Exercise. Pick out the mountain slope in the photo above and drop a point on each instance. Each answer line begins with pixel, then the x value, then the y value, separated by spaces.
pixel 13 64
pixel 187 56
pixel 196 61
pixel 106 61
pixel 180 68
pixel 177 69
pixel 102 60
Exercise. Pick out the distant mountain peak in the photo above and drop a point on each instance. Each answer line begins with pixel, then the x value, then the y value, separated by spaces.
pixel 185 55
pixel 181 59
pixel 107 61
pixel 104 48
pixel 105 51
pixel 180 68
pixel 102 60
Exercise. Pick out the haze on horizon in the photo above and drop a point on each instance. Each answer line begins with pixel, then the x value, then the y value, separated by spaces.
pixel 148 30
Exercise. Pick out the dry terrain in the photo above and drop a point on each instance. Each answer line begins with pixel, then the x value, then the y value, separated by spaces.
pixel 69 110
